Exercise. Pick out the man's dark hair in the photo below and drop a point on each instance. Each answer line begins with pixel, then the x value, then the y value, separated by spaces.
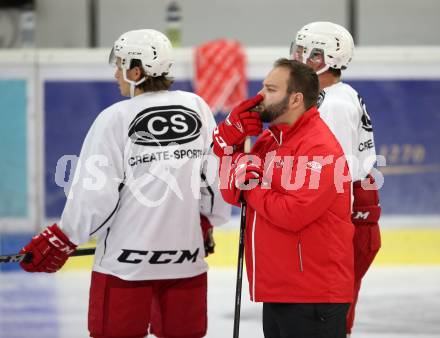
pixel 302 79
pixel 152 84
pixel 335 72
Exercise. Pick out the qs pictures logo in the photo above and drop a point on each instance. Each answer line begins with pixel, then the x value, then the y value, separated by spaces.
pixel 159 126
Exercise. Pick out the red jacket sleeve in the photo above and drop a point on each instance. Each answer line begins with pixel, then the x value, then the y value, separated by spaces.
pixel 226 168
pixel 294 209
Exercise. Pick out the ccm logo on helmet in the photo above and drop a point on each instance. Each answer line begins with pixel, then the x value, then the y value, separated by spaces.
pixel 159 126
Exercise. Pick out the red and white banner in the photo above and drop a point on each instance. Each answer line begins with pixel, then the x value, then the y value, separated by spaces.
pixel 220 74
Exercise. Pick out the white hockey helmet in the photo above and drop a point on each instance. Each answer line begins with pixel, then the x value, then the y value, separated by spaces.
pixel 332 40
pixel 149 46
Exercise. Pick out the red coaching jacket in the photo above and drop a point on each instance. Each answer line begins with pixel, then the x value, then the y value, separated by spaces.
pixel 298 240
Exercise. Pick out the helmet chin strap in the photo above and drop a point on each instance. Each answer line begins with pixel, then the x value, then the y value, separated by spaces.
pixel 322 70
pixel 133 84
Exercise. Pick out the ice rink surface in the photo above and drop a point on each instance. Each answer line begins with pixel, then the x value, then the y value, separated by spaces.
pixel 395 302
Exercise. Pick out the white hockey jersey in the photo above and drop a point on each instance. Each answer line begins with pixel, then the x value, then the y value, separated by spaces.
pixel 344 111
pixel 144 176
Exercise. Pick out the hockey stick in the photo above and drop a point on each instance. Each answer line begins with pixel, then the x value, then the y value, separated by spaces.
pixel 239 271
pixel 27 257
pixel 239 281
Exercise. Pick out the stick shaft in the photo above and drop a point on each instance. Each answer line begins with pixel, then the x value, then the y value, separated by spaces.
pixel 17 258
pixel 239 281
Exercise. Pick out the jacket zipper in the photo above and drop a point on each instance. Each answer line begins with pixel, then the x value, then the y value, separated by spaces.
pixel 300 254
pixel 253 255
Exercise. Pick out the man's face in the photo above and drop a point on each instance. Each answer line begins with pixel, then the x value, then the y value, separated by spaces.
pixel 124 86
pixel 297 53
pixel 315 60
pixel 276 99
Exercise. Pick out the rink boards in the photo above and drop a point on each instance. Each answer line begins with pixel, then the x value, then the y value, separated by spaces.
pixel 405 119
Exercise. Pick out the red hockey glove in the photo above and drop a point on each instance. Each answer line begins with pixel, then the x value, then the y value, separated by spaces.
pixel 243 171
pixel 366 207
pixel 240 123
pixel 208 238
pixel 50 250
pixel 365 217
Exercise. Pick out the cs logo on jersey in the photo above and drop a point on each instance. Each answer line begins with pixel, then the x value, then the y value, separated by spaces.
pixel 159 126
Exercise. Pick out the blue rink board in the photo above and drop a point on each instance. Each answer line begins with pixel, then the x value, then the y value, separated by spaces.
pixel 405 118
pixel 13 149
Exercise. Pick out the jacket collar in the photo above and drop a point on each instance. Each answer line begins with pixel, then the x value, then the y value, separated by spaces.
pixel 282 131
